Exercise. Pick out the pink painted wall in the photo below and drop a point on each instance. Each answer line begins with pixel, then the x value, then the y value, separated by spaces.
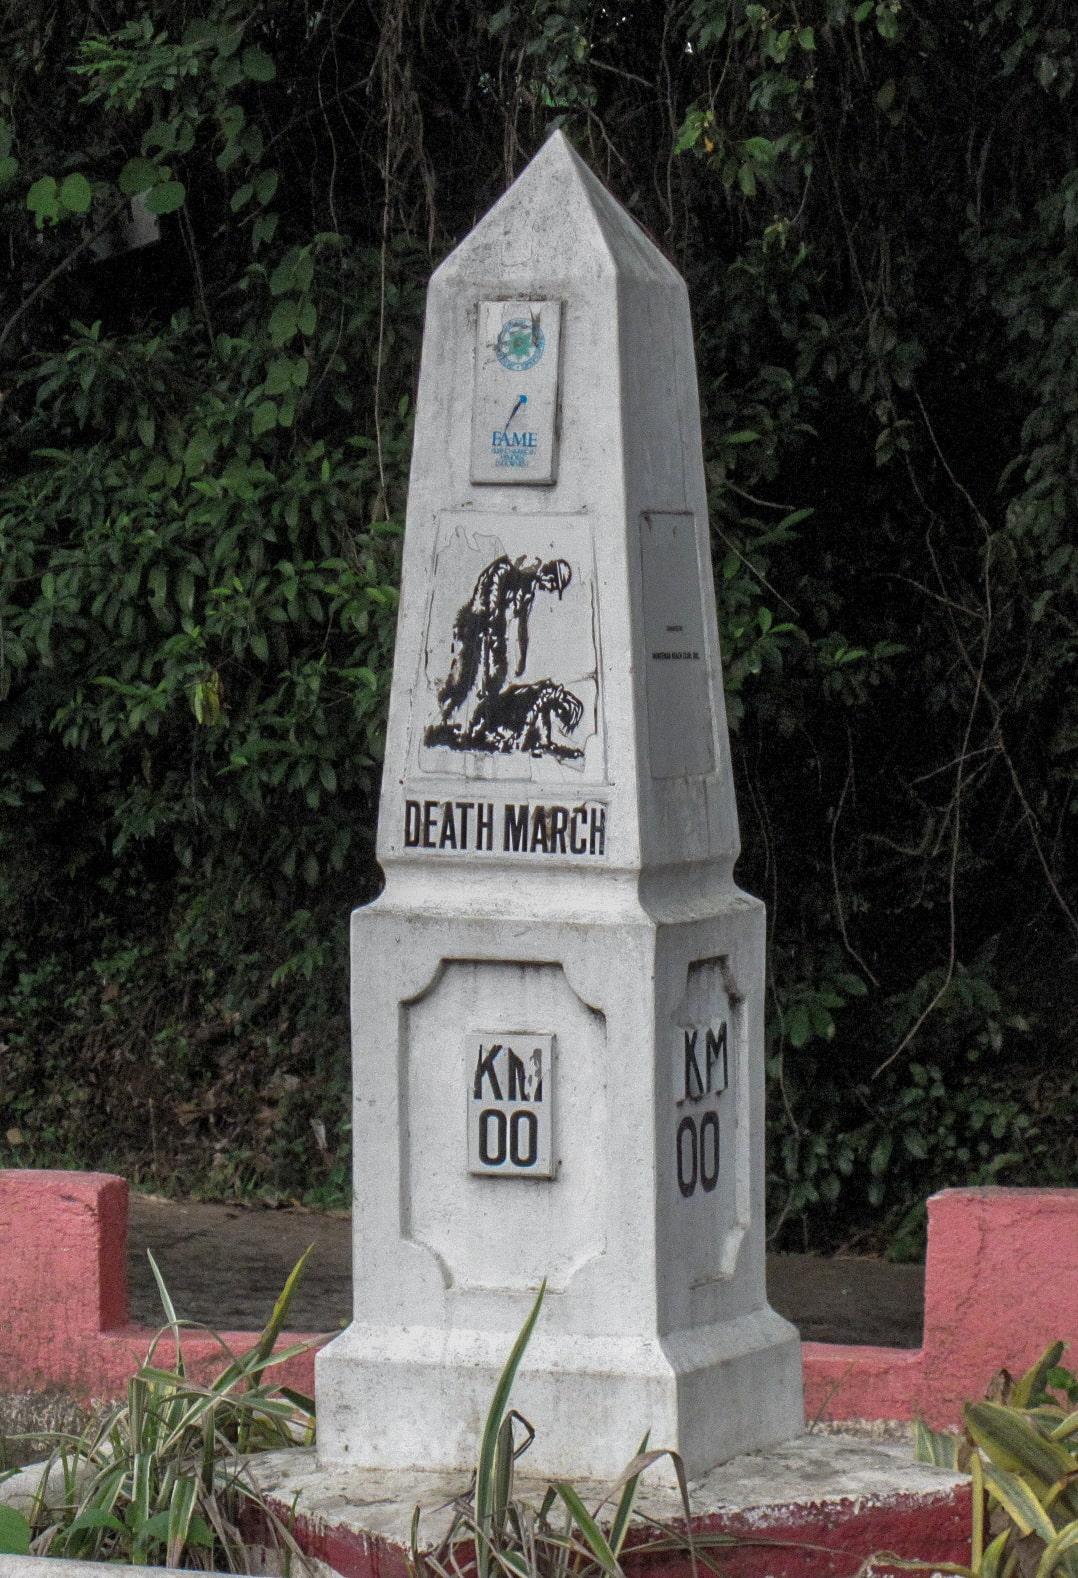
pixel 63 1292
pixel 1001 1282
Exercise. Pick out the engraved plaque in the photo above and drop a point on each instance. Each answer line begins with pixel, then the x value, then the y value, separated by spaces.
pixel 510 1094
pixel 680 725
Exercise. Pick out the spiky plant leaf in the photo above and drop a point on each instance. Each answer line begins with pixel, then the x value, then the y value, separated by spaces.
pixel 486 1490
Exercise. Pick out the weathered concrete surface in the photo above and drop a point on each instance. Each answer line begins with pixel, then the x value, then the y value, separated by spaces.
pixel 28 1418
pixel 818 1505
pixel 61 1567
pixel 38 1485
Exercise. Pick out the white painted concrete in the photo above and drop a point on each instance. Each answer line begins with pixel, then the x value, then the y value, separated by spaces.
pixel 39 1485
pixel 558 832
pixel 64 1567
pixel 61 1567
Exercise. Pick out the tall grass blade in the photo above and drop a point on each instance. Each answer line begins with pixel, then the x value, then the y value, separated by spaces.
pixel 275 1325
pixel 1056 1548
pixel 485 1482
pixel 624 1511
pixel 169 1308
pixel 503 1478
pixel 935 1446
pixel 977 1501
pixel 683 1487
pixel 596 1540
pixel 180 1508
pixel 991 1564
pixel 1007 1437
pixel 141 1470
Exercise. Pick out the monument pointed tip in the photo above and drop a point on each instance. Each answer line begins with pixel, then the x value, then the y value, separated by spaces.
pixel 558 139
pixel 559 147
pixel 557 150
pixel 557 215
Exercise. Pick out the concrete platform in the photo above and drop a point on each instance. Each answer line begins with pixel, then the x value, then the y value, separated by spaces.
pixel 814 1508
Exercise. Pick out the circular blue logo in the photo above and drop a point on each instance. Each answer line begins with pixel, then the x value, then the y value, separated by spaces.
pixel 520 344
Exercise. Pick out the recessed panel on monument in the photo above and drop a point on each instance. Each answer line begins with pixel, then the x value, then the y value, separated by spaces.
pixel 557 1002
pixel 510 661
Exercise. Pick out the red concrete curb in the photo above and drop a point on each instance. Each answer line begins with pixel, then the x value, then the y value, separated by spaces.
pixel 63 1293
pixel 816 1540
pixel 1000 1284
pixel 817 1507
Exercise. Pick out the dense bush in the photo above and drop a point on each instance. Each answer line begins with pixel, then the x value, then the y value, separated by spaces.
pixel 205 446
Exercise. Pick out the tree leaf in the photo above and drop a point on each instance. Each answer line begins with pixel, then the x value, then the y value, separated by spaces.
pixel 166 197
pixel 798 1026
pixel 43 201
pixel 138 175
pixel 266 185
pixel 279 375
pixel 76 194
pixel 14 1532
pixel 257 65
pixel 283 323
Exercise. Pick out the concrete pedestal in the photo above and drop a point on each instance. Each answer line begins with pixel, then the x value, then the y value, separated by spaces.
pixel 815 1508
pixel 654 1318
pixel 557 1003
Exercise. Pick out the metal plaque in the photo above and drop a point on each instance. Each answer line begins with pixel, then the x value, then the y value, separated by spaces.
pixel 510 1093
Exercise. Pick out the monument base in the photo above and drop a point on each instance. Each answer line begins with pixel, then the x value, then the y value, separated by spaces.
pixel 813 1508
pixel 386 1394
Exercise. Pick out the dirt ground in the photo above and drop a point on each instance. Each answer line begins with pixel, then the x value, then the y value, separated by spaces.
pixel 225 1265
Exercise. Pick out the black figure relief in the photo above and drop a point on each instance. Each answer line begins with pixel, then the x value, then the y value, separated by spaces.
pixel 480 711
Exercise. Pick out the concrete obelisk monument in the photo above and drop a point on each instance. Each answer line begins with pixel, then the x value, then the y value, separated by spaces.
pixel 557 1003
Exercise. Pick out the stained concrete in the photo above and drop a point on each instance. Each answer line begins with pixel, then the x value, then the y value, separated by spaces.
pixel 818 1505
pixel 809 1471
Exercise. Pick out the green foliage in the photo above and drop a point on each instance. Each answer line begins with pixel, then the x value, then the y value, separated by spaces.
pixel 204 468
pixel 15 1532
pixel 161 1479
pixel 1022 1453
pixel 199 539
